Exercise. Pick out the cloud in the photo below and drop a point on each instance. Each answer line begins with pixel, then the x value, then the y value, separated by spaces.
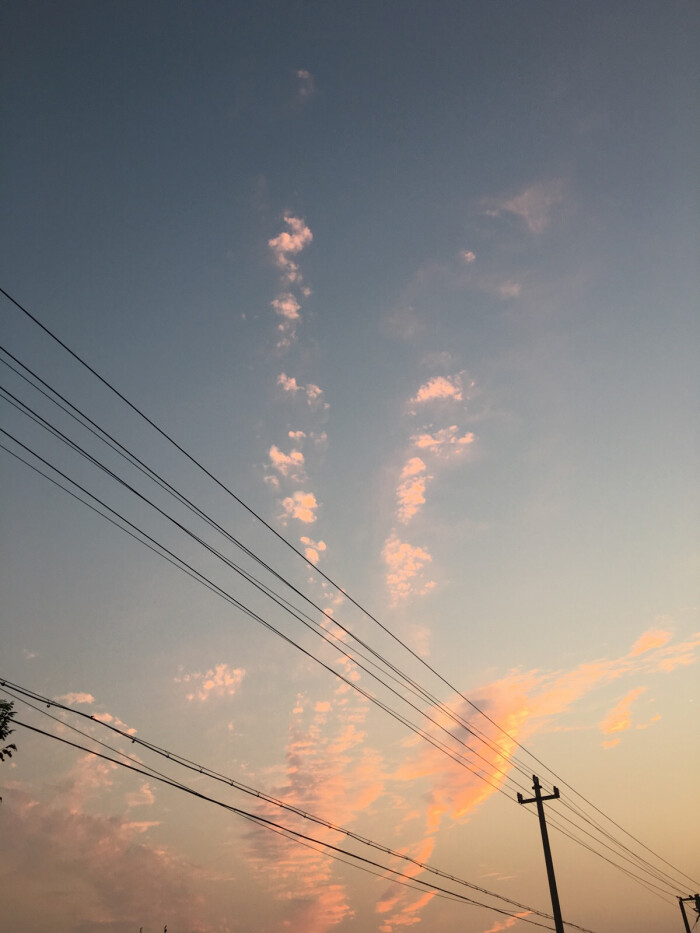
pixel 72 699
pixel 405 565
pixel 221 680
pixel 411 490
pixel 507 290
pixel 296 435
pixel 440 388
pixel 288 465
pixel 467 256
pixel 445 442
pixel 114 721
pixel 330 771
pixel 312 549
pixel 619 719
pixel 109 878
pixel 300 505
pixel 535 205
pixel 143 797
pixel 286 306
pixel 306 86
pixel 287 244
pixel 313 393
pixel 655 638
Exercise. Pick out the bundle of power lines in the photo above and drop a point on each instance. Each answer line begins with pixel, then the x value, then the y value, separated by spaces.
pixel 186 532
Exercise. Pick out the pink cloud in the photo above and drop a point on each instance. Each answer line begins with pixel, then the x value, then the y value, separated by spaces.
pixel 286 306
pixel 312 549
pixel 220 681
pixel 312 392
pixel 405 565
pixel 289 243
pixel 440 388
pixel 300 505
pixel 467 256
pixel 288 465
pixel 411 490
pixel 330 771
pixel 72 699
pixel 445 442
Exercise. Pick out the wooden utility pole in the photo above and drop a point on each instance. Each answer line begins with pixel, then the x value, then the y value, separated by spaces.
pixel 538 799
pixel 681 904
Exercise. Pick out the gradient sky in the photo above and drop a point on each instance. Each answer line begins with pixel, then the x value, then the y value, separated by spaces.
pixel 416 280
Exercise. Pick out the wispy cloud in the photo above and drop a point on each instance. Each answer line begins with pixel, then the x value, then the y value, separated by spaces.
pixel 619 718
pixel 300 505
pixel 405 565
pixel 74 699
pixel 330 771
pixel 219 681
pixel 534 205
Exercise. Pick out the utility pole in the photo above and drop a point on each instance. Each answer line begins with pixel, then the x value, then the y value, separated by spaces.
pixel 681 904
pixel 538 799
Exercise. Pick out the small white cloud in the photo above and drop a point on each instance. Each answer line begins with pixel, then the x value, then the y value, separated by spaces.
pixel 467 256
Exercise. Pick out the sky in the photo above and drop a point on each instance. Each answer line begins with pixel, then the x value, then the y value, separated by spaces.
pixel 416 284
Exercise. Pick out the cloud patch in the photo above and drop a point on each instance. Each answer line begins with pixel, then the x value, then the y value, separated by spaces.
pixel 300 505
pixel 405 569
pixel 219 681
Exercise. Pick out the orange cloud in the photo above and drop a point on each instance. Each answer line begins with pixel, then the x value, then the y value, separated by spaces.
pixel 312 392
pixel 655 638
pixel 620 716
pixel 312 549
pixel 445 443
pixel 405 565
pixel 411 489
pixel 291 464
pixel 440 387
pixel 300 505
pixel 221 680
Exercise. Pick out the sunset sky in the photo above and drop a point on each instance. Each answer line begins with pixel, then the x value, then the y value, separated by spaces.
pixel 415 283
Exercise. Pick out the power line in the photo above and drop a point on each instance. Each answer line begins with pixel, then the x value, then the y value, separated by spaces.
pixel 20 693
pixel 348 596
pixel 457 757
pixel 288 831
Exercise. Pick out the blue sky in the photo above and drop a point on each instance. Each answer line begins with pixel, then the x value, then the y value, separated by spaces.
pixel 417 282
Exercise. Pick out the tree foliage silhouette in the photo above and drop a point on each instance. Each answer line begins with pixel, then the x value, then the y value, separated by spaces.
pixel 6 714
